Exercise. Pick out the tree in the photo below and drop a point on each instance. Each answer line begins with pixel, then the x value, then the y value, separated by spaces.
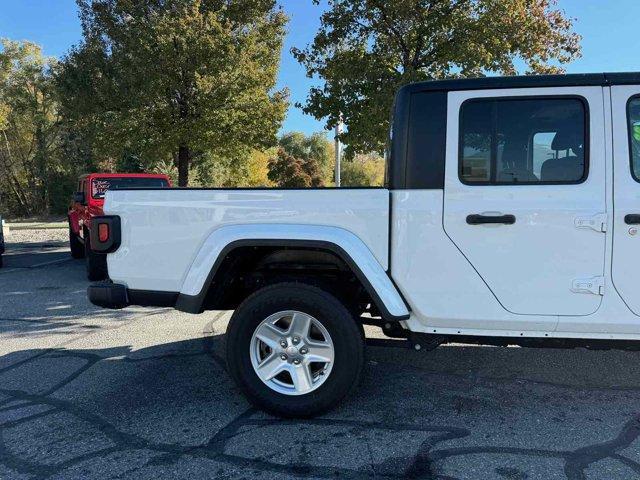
pixel 315 147
pixel 285 170
pixel 249 171
pixel 28 127
pixel 363 171
pixel 366 49
pixel 258 169
pixel 159 79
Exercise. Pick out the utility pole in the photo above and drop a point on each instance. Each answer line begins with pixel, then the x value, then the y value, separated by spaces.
pixel 338 146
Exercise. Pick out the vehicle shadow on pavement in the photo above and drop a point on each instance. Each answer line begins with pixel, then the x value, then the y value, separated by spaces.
pixel 56 315
pixel 52 300
pixel 459 412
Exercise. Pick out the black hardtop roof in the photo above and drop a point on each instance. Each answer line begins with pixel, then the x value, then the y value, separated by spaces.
pixel 526 81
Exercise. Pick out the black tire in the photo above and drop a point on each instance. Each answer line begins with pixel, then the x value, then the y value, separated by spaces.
pixel 334 317
pixel 96 263
pixel 75 245
pixel 1 263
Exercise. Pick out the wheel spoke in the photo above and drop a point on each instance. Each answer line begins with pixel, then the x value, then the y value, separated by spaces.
pixel 302 379
pixel 300 324
pixel 270 335
pixel 270 367
pixel 319 352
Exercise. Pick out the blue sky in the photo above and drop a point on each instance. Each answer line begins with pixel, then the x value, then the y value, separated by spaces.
pixel 611 41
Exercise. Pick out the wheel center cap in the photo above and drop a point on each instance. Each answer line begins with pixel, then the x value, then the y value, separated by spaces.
pixel 292 350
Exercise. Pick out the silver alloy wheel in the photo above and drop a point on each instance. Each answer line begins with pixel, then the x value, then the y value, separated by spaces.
pixel 292 352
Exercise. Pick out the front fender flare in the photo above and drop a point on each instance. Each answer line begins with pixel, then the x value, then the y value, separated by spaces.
pixel 339 241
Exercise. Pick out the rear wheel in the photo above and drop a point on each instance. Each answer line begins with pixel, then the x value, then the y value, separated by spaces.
pixel 96 263
pixel 294 350
pixel 76 246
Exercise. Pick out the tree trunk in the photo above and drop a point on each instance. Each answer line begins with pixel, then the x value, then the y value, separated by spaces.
pixel 184 158
pixel 20 195
pixel 41 161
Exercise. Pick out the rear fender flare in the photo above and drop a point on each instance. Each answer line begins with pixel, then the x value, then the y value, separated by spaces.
pixel 351 249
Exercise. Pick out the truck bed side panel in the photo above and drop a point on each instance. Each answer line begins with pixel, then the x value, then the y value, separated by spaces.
pixel 163 230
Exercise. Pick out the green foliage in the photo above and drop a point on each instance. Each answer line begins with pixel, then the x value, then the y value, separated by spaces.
pixel 248 171
pixel 62 184
pixel 29 129
pixel 239 171
pixel 285 170
pixel 258 168
pixel 363 171
pixel 180 80
pixel 315 147
pixel 366 49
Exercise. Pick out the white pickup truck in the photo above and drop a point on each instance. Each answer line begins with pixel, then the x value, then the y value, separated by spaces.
pixel 510 217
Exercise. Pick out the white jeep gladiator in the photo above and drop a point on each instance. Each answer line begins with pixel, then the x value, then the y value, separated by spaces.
pixel 510 217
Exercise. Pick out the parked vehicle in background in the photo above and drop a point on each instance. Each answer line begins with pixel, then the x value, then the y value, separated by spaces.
pixel 1 239
pixel 511 217
pixel 87 204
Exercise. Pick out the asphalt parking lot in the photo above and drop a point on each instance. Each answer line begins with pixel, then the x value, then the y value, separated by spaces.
pixel 142 393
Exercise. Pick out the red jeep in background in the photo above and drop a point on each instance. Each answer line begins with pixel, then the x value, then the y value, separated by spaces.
pixel 88 202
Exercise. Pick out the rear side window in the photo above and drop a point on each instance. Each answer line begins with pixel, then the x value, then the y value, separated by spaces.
pixel 523 141
pixel 427 141
pixel 633 114
pixel 418 141
pixel 99 186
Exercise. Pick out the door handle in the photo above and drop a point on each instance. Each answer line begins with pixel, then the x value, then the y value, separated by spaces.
pixel 632 219
pixel 495 219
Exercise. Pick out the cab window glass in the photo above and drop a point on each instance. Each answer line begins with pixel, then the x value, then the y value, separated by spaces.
pixel 634 134
pixel 523 141
pixel 101 185
pixel 476 141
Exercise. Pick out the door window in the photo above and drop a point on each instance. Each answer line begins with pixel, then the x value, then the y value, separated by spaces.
pixel 523 141
pixel 633 114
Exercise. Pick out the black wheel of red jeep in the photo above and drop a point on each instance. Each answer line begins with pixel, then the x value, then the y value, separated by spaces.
pixel 294 350
pixel 96 263
pixel 75 245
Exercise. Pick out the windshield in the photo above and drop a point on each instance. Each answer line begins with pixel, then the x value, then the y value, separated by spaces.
pixel 100 185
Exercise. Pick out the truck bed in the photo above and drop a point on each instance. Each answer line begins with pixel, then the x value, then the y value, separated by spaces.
pixel 163 229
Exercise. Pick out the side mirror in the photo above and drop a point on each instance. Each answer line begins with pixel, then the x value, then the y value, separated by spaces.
pixel 78 197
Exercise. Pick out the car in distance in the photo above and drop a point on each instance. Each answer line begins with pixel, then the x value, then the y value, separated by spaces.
pixel 87 203
pixel 509 217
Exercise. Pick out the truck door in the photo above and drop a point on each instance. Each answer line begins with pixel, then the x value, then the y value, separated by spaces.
pixel 625 104
pixel 525 195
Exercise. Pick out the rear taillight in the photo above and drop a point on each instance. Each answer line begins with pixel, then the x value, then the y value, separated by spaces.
pixel 105 233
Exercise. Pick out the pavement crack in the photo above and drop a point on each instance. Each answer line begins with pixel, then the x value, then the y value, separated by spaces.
pixel 579 460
